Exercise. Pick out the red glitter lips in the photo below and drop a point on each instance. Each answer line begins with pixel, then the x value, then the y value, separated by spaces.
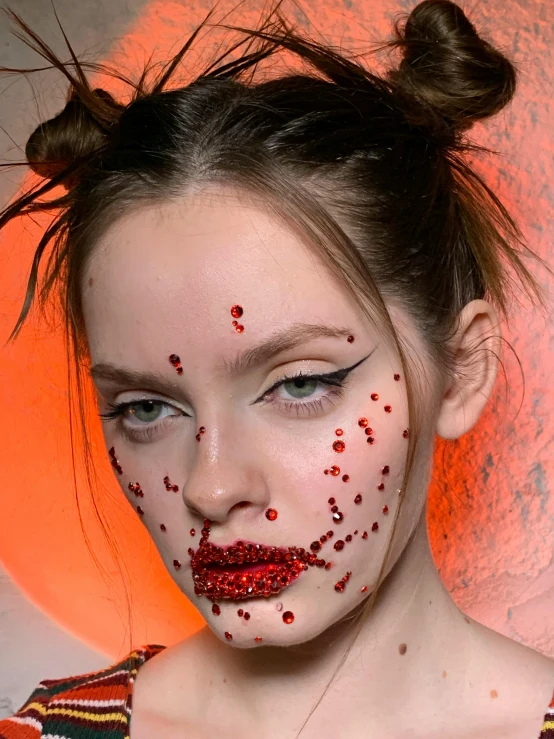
pixel 247 570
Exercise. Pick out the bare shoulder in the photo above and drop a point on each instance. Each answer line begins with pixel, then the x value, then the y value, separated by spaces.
pixel 515 681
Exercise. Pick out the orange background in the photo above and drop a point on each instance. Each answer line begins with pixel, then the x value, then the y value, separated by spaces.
pixel 491 518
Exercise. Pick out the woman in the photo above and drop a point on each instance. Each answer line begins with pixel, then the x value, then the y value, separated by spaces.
pixel 282 291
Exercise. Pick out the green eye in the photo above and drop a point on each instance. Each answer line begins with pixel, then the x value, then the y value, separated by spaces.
pixel 300 387
pixel 146 411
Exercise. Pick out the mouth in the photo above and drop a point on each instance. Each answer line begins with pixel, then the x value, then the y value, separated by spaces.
pixel 247 570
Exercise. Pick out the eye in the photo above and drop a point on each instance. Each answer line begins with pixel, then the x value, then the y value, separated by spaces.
pixel 146 411
pixel 300 387
pixel 144 419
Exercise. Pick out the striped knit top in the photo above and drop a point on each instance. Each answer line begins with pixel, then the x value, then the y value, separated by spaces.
pixel 98 705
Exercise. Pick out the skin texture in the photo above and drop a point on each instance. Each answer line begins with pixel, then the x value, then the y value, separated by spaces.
pixel 163 281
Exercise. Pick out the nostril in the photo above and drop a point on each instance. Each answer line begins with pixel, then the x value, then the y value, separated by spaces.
pixel 242 504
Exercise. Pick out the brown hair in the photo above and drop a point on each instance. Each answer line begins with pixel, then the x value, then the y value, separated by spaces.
pixel 369 169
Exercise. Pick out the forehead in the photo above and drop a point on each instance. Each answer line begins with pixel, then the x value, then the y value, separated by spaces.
pixel 186 263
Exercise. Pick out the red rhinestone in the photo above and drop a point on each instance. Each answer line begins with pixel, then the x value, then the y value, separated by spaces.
pixel 364 589
pixel 202 430
pixel 235 323
pixel 370 439
pixel 345 478
pixel 258 638
pixel 140 511
pixel 288 617
pixel 334 470
pixel 198 437
pixel 381 486
pixel 162 527
pixel 358 499
pixel 339 545
pixel 348 538
pixel 325 472
pixel 350 339
pixel 193 532
pixel 240 612
pixel 385 509
pixel 362 422
pixel 369 432
pixel 239 329
pixel 364 535
pixel 339 446
pixel 355 532
pixel 375 526
pixel 237 311
pixel 328 565
pixel 179 370
pixel 329 534
pixel 397 377
pixel 406 433
pixel 337 517
pixel 385 470
pixel 228 636
pixel 334 509
pixel 176 564
pixel 216 610
pixel 271 514
pixel 331 501
pixel 323 538
pixel 174 359
pixel 374 396
pixel 339 432
pixel 166 480
pixel 246 616
pixel 175 488
pixel 315 546
pixel 339 587
pixel 388 408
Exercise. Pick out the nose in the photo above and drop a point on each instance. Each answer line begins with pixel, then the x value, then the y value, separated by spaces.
pixel 226 475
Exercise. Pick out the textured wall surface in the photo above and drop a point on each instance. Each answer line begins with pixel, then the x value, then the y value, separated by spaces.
pixel 491 517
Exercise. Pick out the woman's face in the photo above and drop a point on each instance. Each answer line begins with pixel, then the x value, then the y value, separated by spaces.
pixel 248 400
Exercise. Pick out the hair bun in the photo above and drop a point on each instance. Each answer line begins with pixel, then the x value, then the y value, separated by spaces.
pixel 448 68
pixel 78 131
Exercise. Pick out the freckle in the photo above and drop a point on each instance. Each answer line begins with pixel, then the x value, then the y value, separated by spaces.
pixel 494 694
pixel 279 606
pixel 162 527
pixel 339 432
pixel 374 396
pixel 466 619
pixel 176 564
pixel 339 446
pixel 444 673
pixel 402 649
pixel 90 282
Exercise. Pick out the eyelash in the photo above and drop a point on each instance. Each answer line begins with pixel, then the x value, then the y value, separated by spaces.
pixel 336 381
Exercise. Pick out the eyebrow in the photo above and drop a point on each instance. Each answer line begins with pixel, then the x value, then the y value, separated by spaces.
pixel 294 336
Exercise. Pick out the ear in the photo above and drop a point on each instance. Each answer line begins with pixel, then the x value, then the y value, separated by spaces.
pixel 476 345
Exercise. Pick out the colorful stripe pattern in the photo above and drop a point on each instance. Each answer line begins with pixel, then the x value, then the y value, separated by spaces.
pixel 98 705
